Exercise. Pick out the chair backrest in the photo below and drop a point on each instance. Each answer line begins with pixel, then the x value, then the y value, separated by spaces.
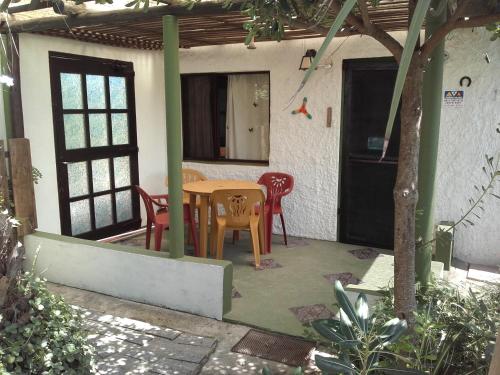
pixel 192 175
pixel 189 175
pixel 239 205
pixel 148 203
pixel 277 184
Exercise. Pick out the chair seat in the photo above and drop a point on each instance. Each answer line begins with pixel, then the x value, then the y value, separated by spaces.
pixel 222 221
pixel 163 218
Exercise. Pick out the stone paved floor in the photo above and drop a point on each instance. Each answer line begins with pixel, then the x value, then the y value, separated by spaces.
pixel 128 346
pixel 221 362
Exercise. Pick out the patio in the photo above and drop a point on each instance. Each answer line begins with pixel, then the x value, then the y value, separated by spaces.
pixel 121 103
pixel 294 284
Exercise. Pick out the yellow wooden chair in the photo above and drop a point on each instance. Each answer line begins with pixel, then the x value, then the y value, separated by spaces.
pixel 189 175
pixel 241 210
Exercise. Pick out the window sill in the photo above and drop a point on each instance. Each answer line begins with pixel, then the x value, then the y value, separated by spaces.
pixel 229 161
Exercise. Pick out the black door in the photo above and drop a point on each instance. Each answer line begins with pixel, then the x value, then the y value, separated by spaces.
pixel 366 213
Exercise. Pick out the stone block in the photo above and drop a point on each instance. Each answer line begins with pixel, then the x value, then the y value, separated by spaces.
pixel 161 348
pixel 187 339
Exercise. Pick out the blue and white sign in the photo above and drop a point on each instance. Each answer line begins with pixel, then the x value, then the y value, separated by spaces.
pixel 453 98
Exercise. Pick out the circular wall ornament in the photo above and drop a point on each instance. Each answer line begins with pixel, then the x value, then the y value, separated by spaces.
pixel 466 79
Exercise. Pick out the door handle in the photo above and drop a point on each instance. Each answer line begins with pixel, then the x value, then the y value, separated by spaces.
pixel 373 161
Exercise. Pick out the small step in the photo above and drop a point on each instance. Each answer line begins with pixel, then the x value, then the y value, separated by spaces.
pixel 485 274
pixel 380 275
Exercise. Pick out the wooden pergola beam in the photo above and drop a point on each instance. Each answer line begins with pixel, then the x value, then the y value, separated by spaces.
pixel 91 18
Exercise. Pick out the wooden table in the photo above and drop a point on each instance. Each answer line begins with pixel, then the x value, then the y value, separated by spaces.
pixel 205 189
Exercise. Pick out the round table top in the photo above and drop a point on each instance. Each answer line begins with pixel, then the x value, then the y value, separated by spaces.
pixel 209 186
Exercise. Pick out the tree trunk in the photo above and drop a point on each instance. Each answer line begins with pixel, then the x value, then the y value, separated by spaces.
pixel 406 195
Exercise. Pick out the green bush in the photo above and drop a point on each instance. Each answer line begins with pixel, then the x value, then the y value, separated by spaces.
pixel 359 338
pixel 44 336
pixel 455 329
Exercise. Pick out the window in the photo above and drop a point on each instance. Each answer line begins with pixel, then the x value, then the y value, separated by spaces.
pixel 96 145
pixel 226 116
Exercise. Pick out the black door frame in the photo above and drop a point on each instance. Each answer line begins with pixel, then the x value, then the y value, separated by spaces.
pixel 348 66
pixel 69 63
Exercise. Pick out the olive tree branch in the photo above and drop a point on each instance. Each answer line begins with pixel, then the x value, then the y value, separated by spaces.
pixel 371 29
pixel 363 10
pixel 457 20
pixel 486 190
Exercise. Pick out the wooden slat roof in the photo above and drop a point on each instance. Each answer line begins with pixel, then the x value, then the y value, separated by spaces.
pixel 213 29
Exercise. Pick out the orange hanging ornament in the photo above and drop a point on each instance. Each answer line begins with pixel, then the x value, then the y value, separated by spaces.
pixel 302 109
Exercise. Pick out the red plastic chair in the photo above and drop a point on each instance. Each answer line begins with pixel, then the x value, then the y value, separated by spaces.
pixel 161 218
pixel 278 185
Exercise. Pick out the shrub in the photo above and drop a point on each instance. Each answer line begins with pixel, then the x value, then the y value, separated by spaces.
pixel 455 329
pixel 41 334
pixel 359 338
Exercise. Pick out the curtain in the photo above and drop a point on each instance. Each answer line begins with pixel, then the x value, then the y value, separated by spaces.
pixel 247 117
pixel 198 117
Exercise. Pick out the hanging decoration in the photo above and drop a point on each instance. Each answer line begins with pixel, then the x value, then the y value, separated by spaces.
pixel 303 109
pixel 337 24
pixel 260 93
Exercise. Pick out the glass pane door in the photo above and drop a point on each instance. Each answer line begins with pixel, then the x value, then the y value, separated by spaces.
pixel 96 145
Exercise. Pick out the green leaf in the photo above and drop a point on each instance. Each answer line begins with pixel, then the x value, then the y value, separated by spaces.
pixel 395 328
pixel 249 37
pixel 401 371
pixel 373 360
pixel 329 329
pixel 362 311
pixel 346 326
pixel 266 371
pixel 337 24
pixel 404 64
pixel 4 5
pixel 445 351
pixel 333 365
pixel 389 327
pixel 351 344
pixel 345 304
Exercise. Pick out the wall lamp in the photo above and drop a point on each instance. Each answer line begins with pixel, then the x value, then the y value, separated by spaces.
pixel 307 59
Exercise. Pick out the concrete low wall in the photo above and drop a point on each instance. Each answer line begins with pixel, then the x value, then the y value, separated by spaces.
pixel 381 276
pixel 194 285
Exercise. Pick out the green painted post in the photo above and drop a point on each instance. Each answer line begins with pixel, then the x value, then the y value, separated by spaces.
pixel 429 139
pixel 174 134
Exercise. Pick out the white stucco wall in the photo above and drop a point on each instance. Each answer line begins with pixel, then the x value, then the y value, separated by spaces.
pixel 305 148
pixel 38 125
pixel 467 134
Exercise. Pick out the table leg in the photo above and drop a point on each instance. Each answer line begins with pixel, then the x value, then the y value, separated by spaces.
pixel 213 233
pixel 203 225
pixel 269 229
pixel 192 210
pixel 262 236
